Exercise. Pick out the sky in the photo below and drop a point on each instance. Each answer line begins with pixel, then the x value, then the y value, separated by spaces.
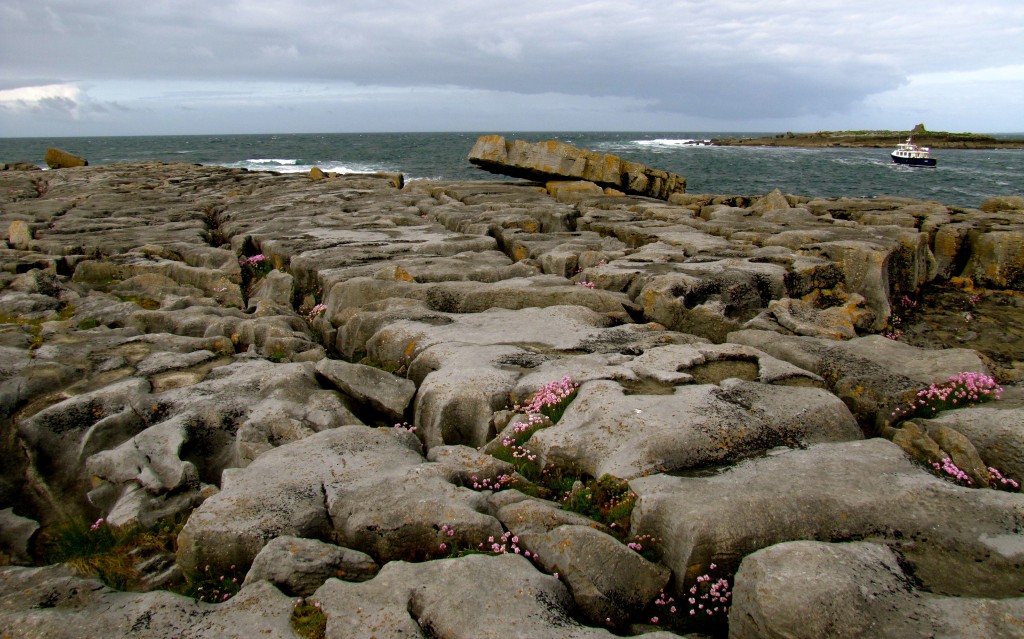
pixel 155 67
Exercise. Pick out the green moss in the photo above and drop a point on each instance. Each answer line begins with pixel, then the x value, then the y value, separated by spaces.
pixel 309 621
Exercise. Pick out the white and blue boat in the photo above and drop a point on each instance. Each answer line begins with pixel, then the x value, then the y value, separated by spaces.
pixel 911 154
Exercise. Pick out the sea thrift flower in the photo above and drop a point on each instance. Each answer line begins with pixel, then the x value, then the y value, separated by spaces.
pixel 949 468
pixel 316 311
pixel 997 480
pixel 253 261
pixel 585 284
pixel 962 389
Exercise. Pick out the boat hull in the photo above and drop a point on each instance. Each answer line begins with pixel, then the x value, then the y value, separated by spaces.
pixel 913 161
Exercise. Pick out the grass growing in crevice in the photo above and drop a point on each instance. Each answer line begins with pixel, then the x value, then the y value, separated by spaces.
pixel 606 499
pixel 308 620
pixel 208 586
pixel 110 553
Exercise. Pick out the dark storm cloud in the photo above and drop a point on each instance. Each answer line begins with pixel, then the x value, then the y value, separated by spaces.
pixel 723 60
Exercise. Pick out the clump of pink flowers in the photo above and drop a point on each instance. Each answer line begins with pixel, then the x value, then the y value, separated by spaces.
pixel 998 481
pixel 963 389
pixel 488 483
pixel 407 426
pixel 253 261
pixel 707 602
pixel 316 311
pixel 948 468
pixel 550 400
pixel 585 284
pixel 508 543
pixel 637 544
pixel 710 598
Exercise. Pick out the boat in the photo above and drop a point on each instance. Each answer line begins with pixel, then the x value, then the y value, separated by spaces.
pixel 911 154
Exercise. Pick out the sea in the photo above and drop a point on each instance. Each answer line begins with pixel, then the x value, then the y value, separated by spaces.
pixel 962 178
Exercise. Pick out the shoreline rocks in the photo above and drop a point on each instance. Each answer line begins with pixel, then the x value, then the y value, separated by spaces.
pixel 322 382
pixel 551 160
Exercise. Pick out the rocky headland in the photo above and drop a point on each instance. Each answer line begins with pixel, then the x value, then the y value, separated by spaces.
pixel 238 404
pixel 877 139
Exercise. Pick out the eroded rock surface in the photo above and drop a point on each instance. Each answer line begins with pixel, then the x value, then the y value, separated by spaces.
pixel 320 375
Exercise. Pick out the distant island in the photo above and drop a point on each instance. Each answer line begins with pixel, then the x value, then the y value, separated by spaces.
pixel 878 139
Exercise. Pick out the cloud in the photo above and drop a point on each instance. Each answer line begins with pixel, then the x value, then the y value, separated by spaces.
pixel 729 60
pixel 61 98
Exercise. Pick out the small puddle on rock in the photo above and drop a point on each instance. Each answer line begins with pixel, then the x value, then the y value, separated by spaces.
pixel 715 372
pixel 646 386
pixel 171 380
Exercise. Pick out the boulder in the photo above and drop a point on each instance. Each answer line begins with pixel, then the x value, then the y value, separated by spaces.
pixel 60 159
pixel 188 436
pixel 835 492
pixel 551 160
pixel 997 259
pixel 473 597
pixel 299 566
pixel 630 431
pixel 54 602
pixel 996 430
pixel 608 581
pixel 363 488
pixel 1003 203
pixel 384 393
pixel 19 234
pixel 873 375
pixel 807 589
pixel 15 536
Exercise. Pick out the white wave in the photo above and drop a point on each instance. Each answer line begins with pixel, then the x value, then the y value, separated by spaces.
pixel 280 161
pixel 293 166
pixel 672 142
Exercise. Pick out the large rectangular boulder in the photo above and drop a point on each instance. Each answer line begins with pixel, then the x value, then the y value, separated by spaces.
pixel 549 160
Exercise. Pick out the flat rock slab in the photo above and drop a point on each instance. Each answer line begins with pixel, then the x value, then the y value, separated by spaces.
pixel 551 160
pixel 383 392
pixel 53 602
pixel 473 597
pixel 368 489
pixel 605 430
pixel 835 492
pixel 807 589
pixel 872 374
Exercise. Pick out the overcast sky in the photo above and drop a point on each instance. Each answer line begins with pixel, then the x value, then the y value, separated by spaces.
pixel 131 67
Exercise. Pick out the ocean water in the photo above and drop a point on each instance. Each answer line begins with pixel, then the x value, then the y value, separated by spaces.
pixel 963 177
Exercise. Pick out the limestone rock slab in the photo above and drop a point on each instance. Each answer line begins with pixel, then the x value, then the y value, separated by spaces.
pixel 606 430
pixel 363 488
pixel 811 589
pixel 960 541
pixel 473 597
pixel 550 160
pixel 299 566
pixel 53 602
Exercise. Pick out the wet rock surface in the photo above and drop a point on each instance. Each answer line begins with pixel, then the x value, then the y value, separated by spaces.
pixel 321 385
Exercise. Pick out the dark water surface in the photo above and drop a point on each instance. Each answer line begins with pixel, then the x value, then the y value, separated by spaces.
pixel 962 178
